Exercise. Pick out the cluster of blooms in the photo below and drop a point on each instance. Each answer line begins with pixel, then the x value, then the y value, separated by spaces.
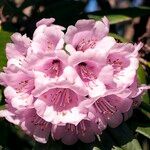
pixel 70 86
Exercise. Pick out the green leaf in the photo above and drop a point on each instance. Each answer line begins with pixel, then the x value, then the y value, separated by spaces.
pixel 116 148
pixel 4 38
pixel 112 18
pixel 107 141
pixel 142 79
pixel 145 106
pixel 120 15
pixel 117 37
pixel 144 130
pixel 140 123
pixel 96 148
pixel 124 138
pixel 2 107
pixel 0 96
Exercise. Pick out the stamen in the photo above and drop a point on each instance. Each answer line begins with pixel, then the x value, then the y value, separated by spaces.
pixel 61 98
pixel 85 72
pixel 37 121
pixel 85 44
pixel 22 85
pixel 55 68
pixel 104 107
pixel 117 64
pixel 70 128
pixel 83 128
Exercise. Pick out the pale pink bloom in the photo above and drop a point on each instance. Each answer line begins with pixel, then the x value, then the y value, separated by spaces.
pixel 20 81
pixel 51 64
pixel 85 131
pixel 86 34
pixel 60 97
pixel 70 86
pixel 35 126
pixel 18 100
pixel 16 52
pixel 88 46
pixel 89 65
pixel 19 47
pixel 18 88
pixel 29 121
pixel 47 37
pixel 136 92
pixel 113 107
pixel 45 21
pixel 122 63
pixel 9 114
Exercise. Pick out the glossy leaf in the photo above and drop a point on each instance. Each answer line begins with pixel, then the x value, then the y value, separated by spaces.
pixel 120 15
pixel 144 130
pixel 116 148
pixel 96 148
pixel 125 138
pixel 112 18
pixel 4 38
pixel 0 96
pixel 142 79
pixel 145 106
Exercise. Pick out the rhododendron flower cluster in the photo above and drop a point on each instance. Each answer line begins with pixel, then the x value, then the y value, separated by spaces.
pixel 69 84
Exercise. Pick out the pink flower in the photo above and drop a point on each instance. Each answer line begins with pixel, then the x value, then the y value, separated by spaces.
pixel 33 125
pixel 86 34
pixel 29 121
pixel 51 64
pixel 19 47
pixel 18 88
pixel 60 97
pixel 115 108
pixel 85 131
pixel 47 37
pixel 123 58
pixel 70 86
pixel 89 65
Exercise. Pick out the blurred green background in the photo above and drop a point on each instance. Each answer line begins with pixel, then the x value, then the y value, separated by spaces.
pixel 130 22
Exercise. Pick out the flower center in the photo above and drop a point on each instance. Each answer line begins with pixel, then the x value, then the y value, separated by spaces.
pixel 55 68
pixel 61 98
pixel 85 44
pixel 116 63
pixel 104 107
pixel 39 122
pixel 24 86
pixel 81 128
pixel 85 72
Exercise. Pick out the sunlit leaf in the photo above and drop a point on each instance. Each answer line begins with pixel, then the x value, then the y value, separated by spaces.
pixel 120 15
pixel 142 79
pixel 4 38
pixel 116 148
pixel 0 96
pixel 125 138
pixel 144 130
pixel 96 148
pixel 112 18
